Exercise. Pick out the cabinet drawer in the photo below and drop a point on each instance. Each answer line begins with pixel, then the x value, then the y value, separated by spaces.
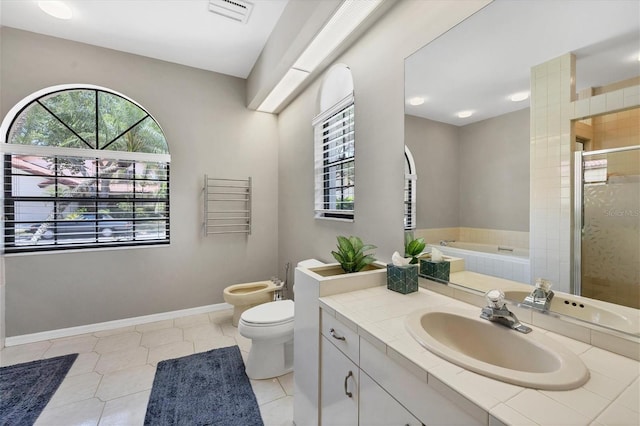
pixel 343 337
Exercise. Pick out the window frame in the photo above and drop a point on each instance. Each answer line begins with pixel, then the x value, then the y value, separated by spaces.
pixel 322 198
pixel 410 202
pixel 89 155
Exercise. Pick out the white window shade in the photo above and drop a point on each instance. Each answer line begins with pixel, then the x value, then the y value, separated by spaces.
pixel 410 180
pixel 335 161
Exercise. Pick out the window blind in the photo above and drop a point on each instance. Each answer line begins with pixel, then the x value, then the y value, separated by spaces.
pixel 62 202
pixel 410 202
pixel 335 161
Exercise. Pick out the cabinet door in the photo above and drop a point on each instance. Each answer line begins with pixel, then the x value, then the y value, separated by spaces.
pixel 339 387
pixel 378 408
pixel 425 401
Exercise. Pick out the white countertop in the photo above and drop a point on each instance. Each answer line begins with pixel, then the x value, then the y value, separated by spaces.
pixel 610 397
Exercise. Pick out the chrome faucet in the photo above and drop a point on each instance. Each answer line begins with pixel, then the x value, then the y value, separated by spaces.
pixel 540 297
pixel 446 242
pixel 496 311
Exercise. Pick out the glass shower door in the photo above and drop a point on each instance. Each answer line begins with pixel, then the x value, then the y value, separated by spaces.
pixel 610 232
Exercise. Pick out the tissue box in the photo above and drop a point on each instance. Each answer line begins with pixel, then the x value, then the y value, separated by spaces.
pixel 438 271
pixel 403 279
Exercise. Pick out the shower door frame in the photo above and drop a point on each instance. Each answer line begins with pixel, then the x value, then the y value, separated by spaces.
pixel 578 205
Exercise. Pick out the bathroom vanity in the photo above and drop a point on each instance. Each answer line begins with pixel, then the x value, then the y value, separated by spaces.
pixel 370 370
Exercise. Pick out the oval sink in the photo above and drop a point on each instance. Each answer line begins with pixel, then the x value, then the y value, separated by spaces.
pixel 585 310
pixel 532 360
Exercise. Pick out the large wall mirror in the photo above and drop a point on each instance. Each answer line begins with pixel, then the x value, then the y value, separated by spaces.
pixel 467 124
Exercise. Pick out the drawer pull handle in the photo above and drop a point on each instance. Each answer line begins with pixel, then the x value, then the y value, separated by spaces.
pixel 335 336
pixel 349 394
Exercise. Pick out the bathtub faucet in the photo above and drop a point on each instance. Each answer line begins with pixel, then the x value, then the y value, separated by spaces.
pixel 446 242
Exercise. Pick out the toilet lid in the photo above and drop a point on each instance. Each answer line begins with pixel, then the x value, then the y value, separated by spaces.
pixel 269 313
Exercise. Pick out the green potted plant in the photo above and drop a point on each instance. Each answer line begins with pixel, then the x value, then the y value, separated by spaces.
pixel 413 247
pixel 352 255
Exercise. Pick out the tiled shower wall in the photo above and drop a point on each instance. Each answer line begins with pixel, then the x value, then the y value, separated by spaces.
pixel 553 107
pixel 616 130
pixel 552 91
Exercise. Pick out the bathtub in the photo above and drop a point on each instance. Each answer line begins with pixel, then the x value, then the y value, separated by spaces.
pixel 506 262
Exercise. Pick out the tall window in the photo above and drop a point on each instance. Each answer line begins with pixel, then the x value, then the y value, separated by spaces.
pixel 84 167
pixel 335 147
pixel 410 178
pixel 335 156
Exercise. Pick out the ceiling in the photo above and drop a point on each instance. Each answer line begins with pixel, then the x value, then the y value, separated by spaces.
pixel 479 63
pixel 179 31
pixel 474 66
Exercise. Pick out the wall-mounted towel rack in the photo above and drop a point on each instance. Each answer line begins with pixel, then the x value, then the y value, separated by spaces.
pixel 227 206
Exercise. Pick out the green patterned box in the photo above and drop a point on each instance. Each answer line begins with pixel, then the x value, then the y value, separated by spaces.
pixel 438 271
pixel 403 279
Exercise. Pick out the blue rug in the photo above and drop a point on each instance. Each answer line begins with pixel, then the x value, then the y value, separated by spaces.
pixel 25 389
pixel 209 388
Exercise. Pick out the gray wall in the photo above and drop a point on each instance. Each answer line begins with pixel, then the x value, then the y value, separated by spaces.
pixel 473 176
pixel 494 179
pixel 376 61
pixel 209 130
pixel 435 147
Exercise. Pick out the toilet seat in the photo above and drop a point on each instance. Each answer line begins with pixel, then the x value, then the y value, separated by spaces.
pixel 269 314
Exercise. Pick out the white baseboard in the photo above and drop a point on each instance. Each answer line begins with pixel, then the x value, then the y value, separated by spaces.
pixel 101 326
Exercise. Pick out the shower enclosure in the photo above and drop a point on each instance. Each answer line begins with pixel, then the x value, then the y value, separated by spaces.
pixel 607 225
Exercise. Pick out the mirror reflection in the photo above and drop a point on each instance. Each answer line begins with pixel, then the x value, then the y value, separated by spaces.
pixel 468 129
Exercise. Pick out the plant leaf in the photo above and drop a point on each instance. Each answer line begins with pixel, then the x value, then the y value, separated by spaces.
pixel 337 256
pixel 356 243
pixel 368 247
pixel 414 247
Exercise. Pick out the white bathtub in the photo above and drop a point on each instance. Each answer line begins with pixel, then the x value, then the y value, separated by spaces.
pixel 507 262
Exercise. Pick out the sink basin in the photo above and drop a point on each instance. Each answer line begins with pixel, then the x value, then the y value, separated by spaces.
pixel 532 360
pixel 585 310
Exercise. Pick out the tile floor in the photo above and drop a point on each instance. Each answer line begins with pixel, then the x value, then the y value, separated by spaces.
pixel 110 381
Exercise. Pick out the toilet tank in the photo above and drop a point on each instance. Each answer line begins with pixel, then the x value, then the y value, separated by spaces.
pixel 310 263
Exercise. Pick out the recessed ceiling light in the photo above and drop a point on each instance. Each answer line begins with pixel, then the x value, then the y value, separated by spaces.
pixel 465 114
pixel 57 9
pixel 416 100
pixel 520 96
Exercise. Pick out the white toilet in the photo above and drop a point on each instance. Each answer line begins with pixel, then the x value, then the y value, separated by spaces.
pixel 270 328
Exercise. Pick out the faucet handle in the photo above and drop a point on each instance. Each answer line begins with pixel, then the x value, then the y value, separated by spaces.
pixel 495 298
pixel 544 285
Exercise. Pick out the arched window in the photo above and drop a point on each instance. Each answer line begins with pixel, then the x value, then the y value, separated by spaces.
pixel 410 178
pixel 84 167
pixel 334 142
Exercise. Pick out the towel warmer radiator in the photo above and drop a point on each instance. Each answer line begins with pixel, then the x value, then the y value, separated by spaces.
pixel 227 206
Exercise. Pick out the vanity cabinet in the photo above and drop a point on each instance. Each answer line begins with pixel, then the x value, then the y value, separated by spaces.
pixel 339 390
pixel 361 385
pixel 350 397
pixel 378 408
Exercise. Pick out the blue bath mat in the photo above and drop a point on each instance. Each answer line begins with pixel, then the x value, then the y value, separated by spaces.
pixel 25 389
pixel 209 388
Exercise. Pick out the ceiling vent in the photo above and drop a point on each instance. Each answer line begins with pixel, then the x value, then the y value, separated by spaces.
pixel 237 10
